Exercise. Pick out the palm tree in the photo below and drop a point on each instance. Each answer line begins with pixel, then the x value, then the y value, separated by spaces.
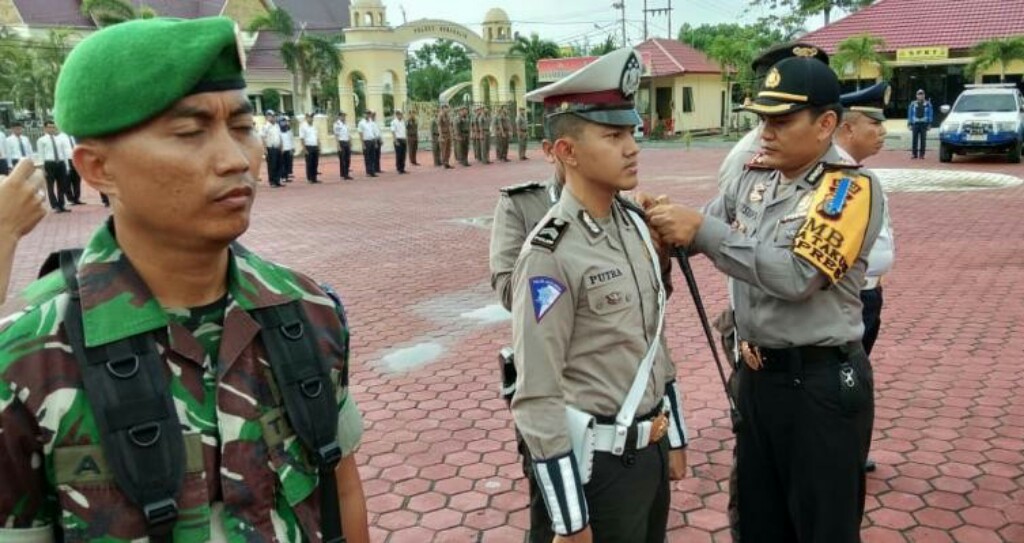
pixel 307 56
pixel 534 49
pixel 734 56
pixel 858 51
pixel 111 12
pixel 997 51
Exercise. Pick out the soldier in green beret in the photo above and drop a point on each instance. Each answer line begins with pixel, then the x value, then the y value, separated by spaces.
pixel 166 382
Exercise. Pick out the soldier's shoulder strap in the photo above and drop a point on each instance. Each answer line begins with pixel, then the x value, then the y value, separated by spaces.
pixel 521 188
pixel 549 233
pixel 823 168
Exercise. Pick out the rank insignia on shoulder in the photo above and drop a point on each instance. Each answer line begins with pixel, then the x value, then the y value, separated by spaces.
pixel 549 235
pixel 757 163
pixel 522 187
pixel 544 291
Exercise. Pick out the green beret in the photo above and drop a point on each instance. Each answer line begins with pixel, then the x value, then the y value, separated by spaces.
pixel 131 72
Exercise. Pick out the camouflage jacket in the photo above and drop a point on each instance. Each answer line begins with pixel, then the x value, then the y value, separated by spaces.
pixel 247 478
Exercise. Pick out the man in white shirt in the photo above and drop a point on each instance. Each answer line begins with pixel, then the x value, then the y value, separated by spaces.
pixel 368 135
pixel 861 135
pixel 344 146
pixel 271 135
pixel 74 184
pixel 398 132
pixel 310 146
pixel 379 136
pixel 16 146
pixel 53 153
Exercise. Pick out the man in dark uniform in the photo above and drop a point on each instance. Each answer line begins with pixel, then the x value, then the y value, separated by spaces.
pixel 587 307
pixel 462 137
pixel 435 140
pixel 412 129
pixel 795 231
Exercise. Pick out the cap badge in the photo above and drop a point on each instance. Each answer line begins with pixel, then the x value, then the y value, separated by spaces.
pixel 887 95
pixel 801 51
pixel 773 79
pixel 240 46
pixel 564 106
pixel 631 74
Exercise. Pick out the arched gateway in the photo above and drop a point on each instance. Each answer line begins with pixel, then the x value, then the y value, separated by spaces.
pixel 374 57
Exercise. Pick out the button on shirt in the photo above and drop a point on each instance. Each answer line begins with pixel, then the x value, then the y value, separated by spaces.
pixel 52 148
pixel 341 131
pixel 398 128
pixel 309 135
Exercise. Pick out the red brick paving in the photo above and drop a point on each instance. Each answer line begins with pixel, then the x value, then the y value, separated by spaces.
pixel 438 459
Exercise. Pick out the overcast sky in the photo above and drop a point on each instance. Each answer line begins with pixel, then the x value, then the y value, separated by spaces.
pixel 574 21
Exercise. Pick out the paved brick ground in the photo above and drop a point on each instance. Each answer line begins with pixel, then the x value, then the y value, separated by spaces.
pixel 438 459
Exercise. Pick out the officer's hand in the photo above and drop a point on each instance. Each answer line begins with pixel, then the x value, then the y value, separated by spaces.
pixel 677 225
pixel 22 203
pixel 677 464
pixel 586 536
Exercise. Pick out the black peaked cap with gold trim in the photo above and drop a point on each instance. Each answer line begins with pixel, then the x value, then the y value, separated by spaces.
pixel 870 101
pixel 771 56
pixel 793 84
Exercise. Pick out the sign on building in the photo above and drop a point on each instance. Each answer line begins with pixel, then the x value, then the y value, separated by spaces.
pixel 922 54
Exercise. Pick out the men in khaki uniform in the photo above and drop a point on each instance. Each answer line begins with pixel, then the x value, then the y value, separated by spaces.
pixel 444 130
pixel 474 133
pixel 485 129
pixel 587 306
pixel 522 132
pixel 795 232
pixel 435 140
pixel 462 137
pixel 498 128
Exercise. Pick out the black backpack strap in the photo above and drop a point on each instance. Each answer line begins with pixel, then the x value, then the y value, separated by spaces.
pixel 303 377
pixel 135 415
pixel 52 262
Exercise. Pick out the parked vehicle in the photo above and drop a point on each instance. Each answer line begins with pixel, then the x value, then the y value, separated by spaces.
pixel 985 119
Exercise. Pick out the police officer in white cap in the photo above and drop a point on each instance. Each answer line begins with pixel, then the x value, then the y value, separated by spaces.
pixel 596 399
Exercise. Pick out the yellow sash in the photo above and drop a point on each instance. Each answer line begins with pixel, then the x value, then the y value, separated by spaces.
pixel 832 236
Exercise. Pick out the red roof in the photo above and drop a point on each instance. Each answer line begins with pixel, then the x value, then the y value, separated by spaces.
pixel 957 24
pixel 671 57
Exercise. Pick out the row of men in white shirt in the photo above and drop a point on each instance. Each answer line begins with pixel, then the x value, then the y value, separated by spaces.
pixel 49 147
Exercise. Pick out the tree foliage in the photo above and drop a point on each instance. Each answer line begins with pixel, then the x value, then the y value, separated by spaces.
pixel 807 8
pixel 111 12
pixel 435 67
pixel 733 46
pixel 855 53
pixel 533 49
pixel 996 52
pixel 29 68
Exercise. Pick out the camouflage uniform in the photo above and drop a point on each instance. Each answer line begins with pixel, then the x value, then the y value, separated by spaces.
pixel 247 477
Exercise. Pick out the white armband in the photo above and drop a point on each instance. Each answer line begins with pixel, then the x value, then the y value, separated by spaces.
pixel 559 481
pixel 41 534
pixel 678 438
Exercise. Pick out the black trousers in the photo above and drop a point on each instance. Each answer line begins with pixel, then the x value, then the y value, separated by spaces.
pixel 920 136
pixel 801 448
pixel 368 146
pixel 74 184
pixel 400 147
pixel 345 158
pixel 4 169
pixel 312 162
pixel 376 156
pixel 56 182
pixel 872 313
pixel 274 165
pixel 287 164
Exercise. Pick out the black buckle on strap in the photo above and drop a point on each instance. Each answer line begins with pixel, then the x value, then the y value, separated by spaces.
pixel 329 455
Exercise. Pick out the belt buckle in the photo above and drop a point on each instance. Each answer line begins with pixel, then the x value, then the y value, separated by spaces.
pixel 751 355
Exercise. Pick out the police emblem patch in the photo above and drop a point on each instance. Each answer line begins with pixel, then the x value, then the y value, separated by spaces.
pixel 773 80
pixel 631 73
pixel 544 291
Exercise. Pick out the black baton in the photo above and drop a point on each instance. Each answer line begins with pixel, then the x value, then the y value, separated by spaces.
pixel 691 282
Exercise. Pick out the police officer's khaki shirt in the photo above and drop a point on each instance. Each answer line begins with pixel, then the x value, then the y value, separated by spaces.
pixel 518 211
pixel 583 315
pixel 780 298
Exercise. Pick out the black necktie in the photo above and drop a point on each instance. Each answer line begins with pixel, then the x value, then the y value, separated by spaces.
pixel 21 144
pixel 53 143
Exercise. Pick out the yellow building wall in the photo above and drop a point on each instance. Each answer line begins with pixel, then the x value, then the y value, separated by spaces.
pixel 707 100
pixel 9 14
pixel 1015 67
pixel 868 70
pixel 244 11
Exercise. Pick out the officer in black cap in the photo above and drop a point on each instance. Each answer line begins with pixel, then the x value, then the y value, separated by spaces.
pixel 794 233
pixel 861 135
pixel 731 170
